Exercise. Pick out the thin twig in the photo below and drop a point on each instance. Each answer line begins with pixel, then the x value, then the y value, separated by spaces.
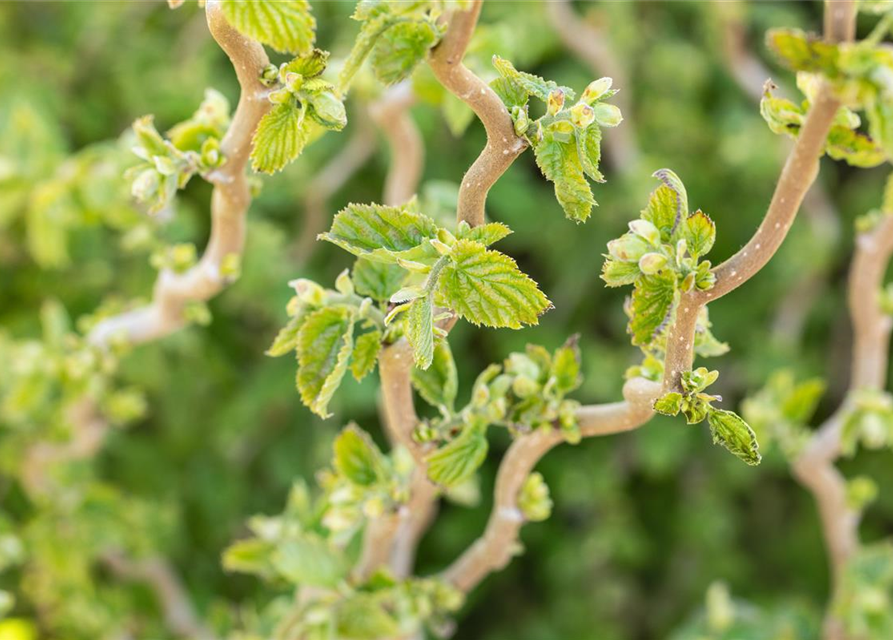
pixel 750 74
pixel 157 573
pixel 503 145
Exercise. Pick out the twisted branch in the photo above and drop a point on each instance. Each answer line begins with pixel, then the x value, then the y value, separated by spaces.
pixel 503 145
pixel 229 204
pixel 798 174
pixel 814 468
pixel 495 548
pixel 750 74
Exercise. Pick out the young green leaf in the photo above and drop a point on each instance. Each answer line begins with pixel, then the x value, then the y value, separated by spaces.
pixel 560 164
pixel 378 232
pixel 365 354
pixel 565 367
pixel 401 48
pixel 457 461
pixel 668 204
pixel 279 139
pixel 286 25
pixel 699 233
pixel 669 404
pixel 325 342
pixel 287 339
pixel 486 287
pixel 485 234
pixel 617 274
pixel 377 280
pixel 589 149
pixel 652 303
pixel 438 384
pixel 419 330
pixel 529 83
pixel 362 616
pixel 733 433
pixel 357 457
pixel 311 561
pixel 800 51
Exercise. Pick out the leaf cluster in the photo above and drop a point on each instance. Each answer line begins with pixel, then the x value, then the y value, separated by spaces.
pixel 566 140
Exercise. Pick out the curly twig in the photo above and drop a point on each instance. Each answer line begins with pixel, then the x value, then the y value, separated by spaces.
pixel 229 203
pixel 493 550
pixel 503 145
pixel 750 74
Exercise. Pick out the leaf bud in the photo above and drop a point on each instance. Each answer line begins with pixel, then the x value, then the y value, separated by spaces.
pixel 582 115
pixel 646 230
pixel 555 101
pixel 607 115
pixel 651 263
pixel 596 90
pixel 628 248
pixel 308 291
pixel 343 283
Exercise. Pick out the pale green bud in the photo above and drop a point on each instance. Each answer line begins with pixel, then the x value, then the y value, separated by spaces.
pixel 582 115
pixel 280 96
pixel 165 165
pixel 555 102
pixel 652 263
pixel 231 266
pixel 145 185
pixel 628 248
pixel 182 257
pixel 446 237
pixel 373 507
pixel 607 115
pixel 521 120
pixel 328 110
pixel 269 75
pixel 343 283
pixel 308 291
pixel 524 387
pixel 596 90
pixel 441 247
pixel 646 230
pixel 294 81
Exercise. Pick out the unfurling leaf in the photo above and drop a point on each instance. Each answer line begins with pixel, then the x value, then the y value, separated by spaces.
pixel 362 616
pixel 419 330
pixel 589 148
pixel 486 287
pixel 379 232
pixel 357 457
pixel 279 139
pixel 439 383
pixel 733 433
pixel 401 48
pixel 287 339
pixel 652 303
pixel 560 164
pixel 532 85
pixel 565 367
pixel 286 25
pixel 365 354
pixel 699 233
pixel 325 342
pixel 801 52
pixel 669 404
pixel 377 280
pixel 456 461
pixel 486 234
pixel 311 561
pixel 668 205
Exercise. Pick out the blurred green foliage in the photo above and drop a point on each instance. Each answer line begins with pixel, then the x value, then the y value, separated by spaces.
pixel 642 524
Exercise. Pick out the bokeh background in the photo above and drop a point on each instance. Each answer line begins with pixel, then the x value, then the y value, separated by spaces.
pixel 643 522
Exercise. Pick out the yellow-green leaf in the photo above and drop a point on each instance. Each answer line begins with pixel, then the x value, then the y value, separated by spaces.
pixel 279 139
pixel 286 25
pixel 486 287
pixel 325 343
